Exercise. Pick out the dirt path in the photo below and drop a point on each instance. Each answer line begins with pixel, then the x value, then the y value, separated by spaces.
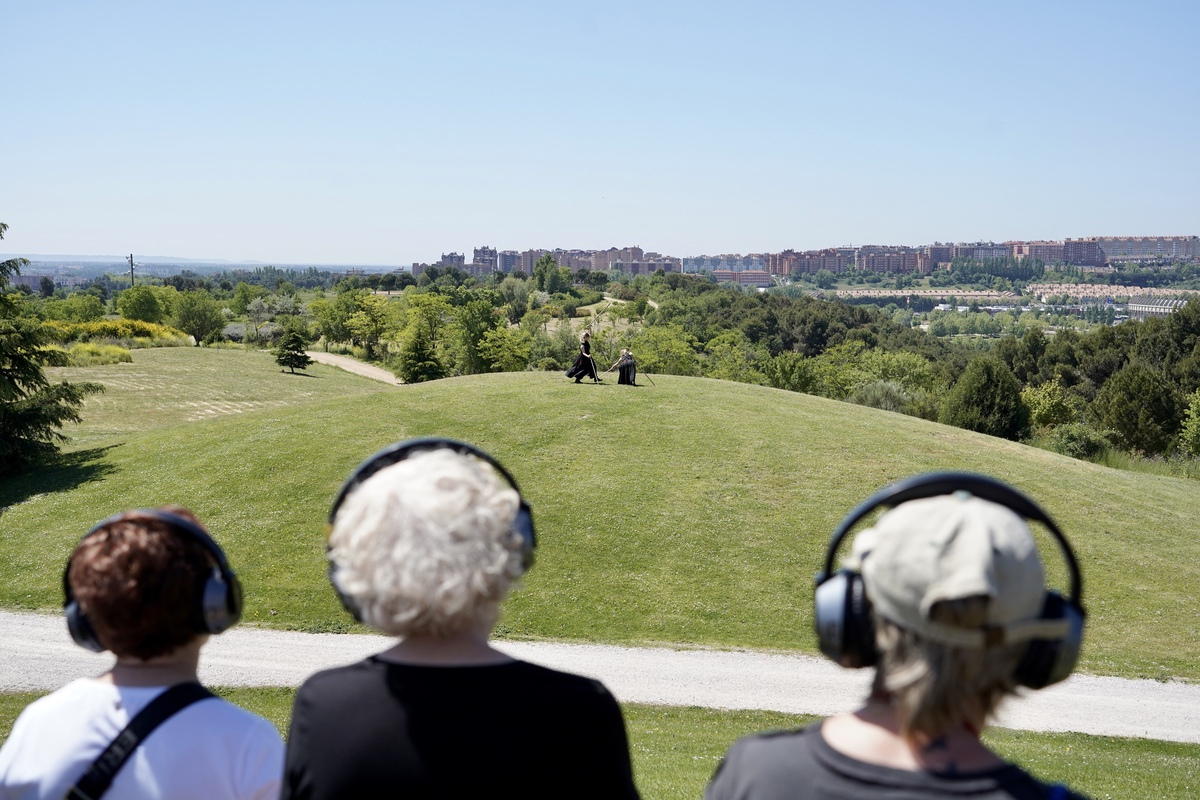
pixel 38 655
pixel 355 366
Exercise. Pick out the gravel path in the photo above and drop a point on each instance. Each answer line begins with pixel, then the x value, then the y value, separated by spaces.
pixel 354 365
pixel 39 655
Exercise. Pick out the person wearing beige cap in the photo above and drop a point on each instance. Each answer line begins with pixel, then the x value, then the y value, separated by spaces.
pixel 945 596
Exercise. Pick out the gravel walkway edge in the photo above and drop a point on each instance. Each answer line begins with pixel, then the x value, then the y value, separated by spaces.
pixel 38 655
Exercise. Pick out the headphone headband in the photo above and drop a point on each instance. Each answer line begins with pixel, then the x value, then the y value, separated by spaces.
pixel 522 524
pixel 842 610
pixel 221 598
pixel 936 484
pixel 393 454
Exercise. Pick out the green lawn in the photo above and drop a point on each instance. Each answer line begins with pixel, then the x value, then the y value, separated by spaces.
pixel 696 511
pixel 676 749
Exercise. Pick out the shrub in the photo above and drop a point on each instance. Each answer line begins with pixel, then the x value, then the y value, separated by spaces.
pixel 987 399
pixel 549 365
pixel 1141 406
pixel 1050 405
pixel 884 395
pixel 1078 441
pixel 89 354
pixel 130 332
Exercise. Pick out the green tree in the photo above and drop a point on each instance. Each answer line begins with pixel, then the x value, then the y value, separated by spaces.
pixel 76 308
pixel 1049 405
pixel 732 357
pixel 506 349
pixel 793 372
pixel 197 314
pixel 1140 406
pixel 243 294
pixel 987 399
pixel 473 320
pixel 1189 434
pixel 542 270
pixel 257 313
pixel 371 322
pixel 290 351
pixel 140 303
pixel 46 286
pixel 32 409
pixel 419 360
pixel 667 349
pixel 331 317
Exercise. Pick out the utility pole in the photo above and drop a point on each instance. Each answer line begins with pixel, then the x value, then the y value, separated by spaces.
pixel 131 270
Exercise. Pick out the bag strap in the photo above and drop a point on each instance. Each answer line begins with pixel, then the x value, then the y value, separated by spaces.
pixel 100 774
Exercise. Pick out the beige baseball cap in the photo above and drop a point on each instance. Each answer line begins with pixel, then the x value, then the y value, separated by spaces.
pixel 952 547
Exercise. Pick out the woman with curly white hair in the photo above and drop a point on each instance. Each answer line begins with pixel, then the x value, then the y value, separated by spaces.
pixel 426 542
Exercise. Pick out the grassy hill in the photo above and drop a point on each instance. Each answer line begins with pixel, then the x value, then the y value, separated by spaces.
pixel 693 512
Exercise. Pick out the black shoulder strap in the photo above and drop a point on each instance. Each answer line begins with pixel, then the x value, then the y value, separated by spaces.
pixel 100 774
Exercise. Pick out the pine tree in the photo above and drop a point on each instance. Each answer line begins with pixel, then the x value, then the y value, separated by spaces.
pixel 290 352
pixel 32 410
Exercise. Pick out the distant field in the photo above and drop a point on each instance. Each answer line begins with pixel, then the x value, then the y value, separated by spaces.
pixel 168 385
pixel 676 749
pixel 693 512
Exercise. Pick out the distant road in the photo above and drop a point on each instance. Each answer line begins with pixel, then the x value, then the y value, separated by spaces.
pixel 355 366
pixel 39 656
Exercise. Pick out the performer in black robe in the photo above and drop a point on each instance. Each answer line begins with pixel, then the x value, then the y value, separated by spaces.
pixel 584 366
pixel 626 369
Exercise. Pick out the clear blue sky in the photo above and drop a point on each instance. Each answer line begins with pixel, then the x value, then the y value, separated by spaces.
pixel 388 132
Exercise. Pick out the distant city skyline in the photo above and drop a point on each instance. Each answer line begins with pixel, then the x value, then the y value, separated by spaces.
pixel 386 134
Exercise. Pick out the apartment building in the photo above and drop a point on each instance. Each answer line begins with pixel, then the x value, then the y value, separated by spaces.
pixel 1048 252
pixel 730 262
pixel 485 260
pixel 1084 252
pixel 1150 248
pixel 757 278
pixel 876 258
pixel 647 266
pixel 508 261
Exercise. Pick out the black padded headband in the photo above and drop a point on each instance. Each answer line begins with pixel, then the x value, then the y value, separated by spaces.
pixel 178 523
pixel 937 484
pixel 396 453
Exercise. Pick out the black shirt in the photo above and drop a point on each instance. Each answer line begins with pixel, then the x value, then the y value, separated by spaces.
pixel 378 729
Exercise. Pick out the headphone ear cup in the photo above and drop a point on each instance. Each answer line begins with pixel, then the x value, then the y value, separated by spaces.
pixel 523 527
pixel 80 628
pixel 222 603
pixel 348 602
pixel 842 614
pixel 1048 661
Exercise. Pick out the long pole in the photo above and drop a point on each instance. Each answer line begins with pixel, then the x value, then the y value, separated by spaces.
pixel 131 270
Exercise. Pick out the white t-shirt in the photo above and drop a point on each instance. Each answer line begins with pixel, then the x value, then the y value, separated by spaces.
pixel 211 749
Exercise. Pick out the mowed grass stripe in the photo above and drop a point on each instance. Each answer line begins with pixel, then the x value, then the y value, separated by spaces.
pixel 694 512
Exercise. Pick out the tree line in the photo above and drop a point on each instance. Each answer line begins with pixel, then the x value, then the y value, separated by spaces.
pixel 1134 387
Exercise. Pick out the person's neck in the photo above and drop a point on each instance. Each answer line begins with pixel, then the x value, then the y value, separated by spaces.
pixel 178 666
pixel 469 647
pixel 872 734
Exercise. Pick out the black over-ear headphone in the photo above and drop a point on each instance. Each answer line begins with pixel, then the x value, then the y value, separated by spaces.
pixel 220 604
pixel 522 523
pixel 842 610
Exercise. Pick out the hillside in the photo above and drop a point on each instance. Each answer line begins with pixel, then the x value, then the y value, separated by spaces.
pixel 693 512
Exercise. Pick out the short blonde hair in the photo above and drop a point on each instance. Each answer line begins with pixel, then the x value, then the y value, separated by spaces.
pixel 426 546
pixel 934 686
